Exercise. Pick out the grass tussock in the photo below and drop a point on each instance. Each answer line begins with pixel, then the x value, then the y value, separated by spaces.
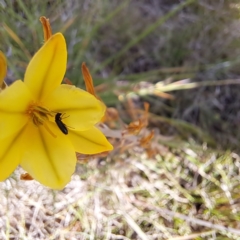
pixel 131 197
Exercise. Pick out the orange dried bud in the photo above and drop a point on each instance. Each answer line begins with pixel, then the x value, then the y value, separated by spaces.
pixel 163 94
pixel 146 140
pixel 151 152
pixel 89 84
pixel 111 114
pixel 3 70
pixel 145 117
pixel 85 158
pixel 67 81
pixel 47 31
pixel 146 107
pixel 4 85
pixel 135 127
pixel 131 108
pixel 26 177
pixel 88 80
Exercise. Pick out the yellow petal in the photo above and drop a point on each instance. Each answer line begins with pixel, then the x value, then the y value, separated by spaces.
pixel 12 149
pixel 47 68
pixel 81 109
pixel 50 160
pixel 14 102
pixel 91 141
pixel 3 68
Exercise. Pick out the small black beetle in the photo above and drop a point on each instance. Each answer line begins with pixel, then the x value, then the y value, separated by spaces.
pixel 61 125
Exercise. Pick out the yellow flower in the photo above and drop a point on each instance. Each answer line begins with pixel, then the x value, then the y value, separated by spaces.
pixel 43 122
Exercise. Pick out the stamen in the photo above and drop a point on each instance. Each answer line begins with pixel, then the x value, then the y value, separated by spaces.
pixel 43 110
pixel 40 116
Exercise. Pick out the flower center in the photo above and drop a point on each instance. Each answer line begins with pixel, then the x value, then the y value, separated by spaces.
pixel 40 115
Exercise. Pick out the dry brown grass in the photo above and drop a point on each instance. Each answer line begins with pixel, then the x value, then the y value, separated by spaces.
pixel 130 197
